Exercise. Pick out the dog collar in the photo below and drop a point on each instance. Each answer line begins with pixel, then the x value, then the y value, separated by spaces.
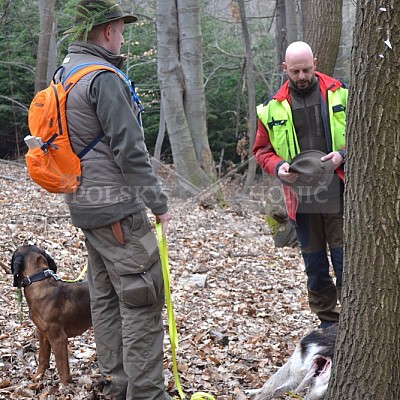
pixel 39 276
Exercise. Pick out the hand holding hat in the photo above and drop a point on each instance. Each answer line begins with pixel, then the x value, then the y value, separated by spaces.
pixel 314 175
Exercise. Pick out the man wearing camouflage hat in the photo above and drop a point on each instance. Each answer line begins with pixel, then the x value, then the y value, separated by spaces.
pixel 118 184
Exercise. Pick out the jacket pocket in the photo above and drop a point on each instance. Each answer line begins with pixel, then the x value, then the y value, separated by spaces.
pixel 139 264
pixel 278 135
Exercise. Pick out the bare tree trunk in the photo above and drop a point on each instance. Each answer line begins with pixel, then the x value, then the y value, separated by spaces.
pixel 191 58
pixel 342 66
pixel 46 28
pixel 160 139
pixel 281 41
pixel 281 34
pixel 322 26
pixel 53 52
pixel 191 178
pixel 251 112
pixel 292 26
pixel 367 355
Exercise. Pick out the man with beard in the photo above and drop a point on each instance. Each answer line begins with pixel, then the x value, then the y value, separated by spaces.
pixel 307 115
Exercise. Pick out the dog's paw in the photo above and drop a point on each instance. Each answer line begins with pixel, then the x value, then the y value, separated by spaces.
pixel 39 375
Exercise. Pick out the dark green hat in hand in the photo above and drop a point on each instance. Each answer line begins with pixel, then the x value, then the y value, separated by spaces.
pixel 91 13
pixel 314 175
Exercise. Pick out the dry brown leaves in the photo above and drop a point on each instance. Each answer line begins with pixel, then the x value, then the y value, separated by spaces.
pixel 233 333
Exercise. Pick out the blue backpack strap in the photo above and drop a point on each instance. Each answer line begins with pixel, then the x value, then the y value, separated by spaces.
pixel 91 145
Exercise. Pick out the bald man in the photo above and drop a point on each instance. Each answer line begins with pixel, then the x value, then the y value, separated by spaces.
pixel 309 113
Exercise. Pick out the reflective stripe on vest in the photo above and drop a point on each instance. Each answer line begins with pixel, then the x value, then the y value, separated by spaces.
pixel 277 118
pixel 337 101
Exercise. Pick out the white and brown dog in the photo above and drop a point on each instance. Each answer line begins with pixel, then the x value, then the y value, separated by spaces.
pixel 307 370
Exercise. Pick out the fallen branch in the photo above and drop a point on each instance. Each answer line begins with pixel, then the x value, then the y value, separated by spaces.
pixel 19 164
pixel 9 178
pixel 250 254
pixel 5 267
pixel 47 216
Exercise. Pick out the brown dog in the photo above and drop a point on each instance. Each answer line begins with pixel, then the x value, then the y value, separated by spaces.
pixel 58 309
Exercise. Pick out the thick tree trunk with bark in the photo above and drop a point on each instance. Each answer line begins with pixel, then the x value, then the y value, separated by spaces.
pixel 367 359
pixel 322 26
pixel 180 77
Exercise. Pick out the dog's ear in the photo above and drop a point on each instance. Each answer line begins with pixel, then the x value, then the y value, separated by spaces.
pixel 51 263
pixel 17 261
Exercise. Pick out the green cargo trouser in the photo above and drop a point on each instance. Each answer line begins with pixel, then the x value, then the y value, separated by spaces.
pixel 127 299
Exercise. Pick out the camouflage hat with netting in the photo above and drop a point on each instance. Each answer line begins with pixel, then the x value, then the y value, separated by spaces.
pixel 90 13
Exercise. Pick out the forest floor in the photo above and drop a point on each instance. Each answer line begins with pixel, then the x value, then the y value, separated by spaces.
pixel 234 332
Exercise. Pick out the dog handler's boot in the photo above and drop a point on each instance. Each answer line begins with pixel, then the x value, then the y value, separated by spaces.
pixel 113 388
pixel 324 305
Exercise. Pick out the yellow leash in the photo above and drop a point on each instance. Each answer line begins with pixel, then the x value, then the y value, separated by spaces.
pixel 173 333
pixel 80 276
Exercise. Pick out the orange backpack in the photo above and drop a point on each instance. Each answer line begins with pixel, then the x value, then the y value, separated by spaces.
pixel 51 162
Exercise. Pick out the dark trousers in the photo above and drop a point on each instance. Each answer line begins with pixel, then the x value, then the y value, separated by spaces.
pixel 316 232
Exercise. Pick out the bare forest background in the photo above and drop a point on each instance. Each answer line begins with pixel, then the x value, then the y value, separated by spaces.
pixel 206 64
pixel 200 68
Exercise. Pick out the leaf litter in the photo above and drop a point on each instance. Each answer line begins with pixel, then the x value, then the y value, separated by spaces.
pixel 240 302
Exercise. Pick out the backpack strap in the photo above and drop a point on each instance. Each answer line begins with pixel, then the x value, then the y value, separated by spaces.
pixel 77 73
pixel 82 69
pixel 91 145
pixel 57 71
